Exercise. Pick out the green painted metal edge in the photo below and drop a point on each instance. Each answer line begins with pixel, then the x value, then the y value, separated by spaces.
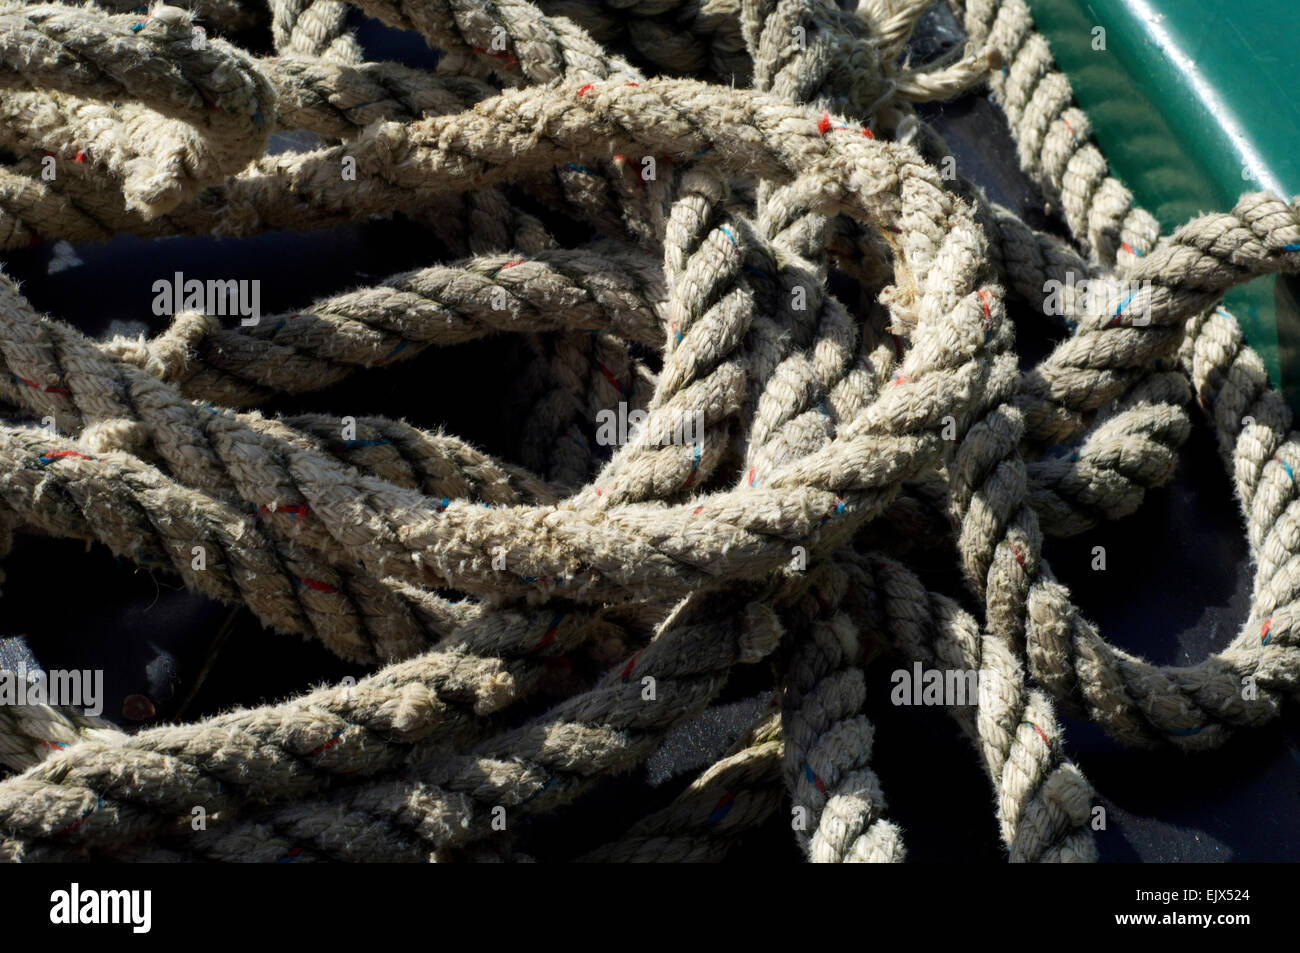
pixel 1194 102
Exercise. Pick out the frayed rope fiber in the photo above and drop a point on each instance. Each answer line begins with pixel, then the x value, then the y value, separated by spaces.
pixel 767 143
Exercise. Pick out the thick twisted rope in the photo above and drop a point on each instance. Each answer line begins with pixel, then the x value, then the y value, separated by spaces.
pixel 815 422
pixel 923 395
pixel 1043 800
pixel 1196 706
pixel 215 89
pixel 828 750
pixel 29 732
pixel 688 665
pixel 1143 704
pixel 314 28
pixel 1052 134
pixel 607 287
pixel 852 830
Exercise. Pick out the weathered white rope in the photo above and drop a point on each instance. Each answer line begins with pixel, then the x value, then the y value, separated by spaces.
pixel 604 287
pixel 27 729
pixel 1044 801
pixel 1191 706
pixel 314 28
pixel 215 89
pixel 1053 135
pixel 923 391
pixel 814 424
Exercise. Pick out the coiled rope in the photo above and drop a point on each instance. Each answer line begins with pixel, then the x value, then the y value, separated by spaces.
pixel 666 565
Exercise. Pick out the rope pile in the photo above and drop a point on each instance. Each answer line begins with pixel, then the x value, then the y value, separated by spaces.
pixel 786 146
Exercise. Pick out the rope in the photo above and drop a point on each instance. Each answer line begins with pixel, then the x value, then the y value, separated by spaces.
pixel 727 800
pixel 314 28
pixel 214 90
pixel 1192 706
pixel 856 435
